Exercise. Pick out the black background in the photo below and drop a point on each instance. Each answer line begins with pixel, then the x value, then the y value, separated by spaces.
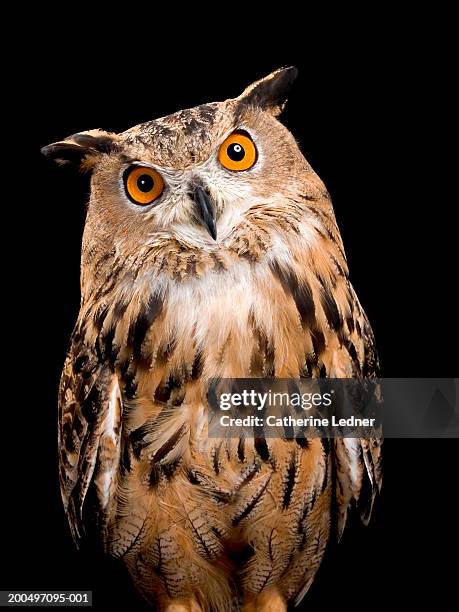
pixel 366 110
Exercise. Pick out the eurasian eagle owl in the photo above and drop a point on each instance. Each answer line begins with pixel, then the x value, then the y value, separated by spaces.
pixel 210 250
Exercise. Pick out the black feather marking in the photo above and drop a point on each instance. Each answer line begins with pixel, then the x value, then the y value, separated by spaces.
pixel 248 474
pixel 125 459
pixel 300 292
pixel 170 444
pixel 210 487
pixel 138 437
pixel 130 385
pixel 257 362
pixel 164 389
pixel 352 351
pixel 162 393
pixel 79 363
pixel 165 352
pixel 67 437
pixel 269 364
pixel 350 324
pixel 302 441
pixel 270 545
pixel 169 469
pixel 266 350
pixel 100 316
pixel 325 442
pixel 217 533
pixel 215 458
pixel 240 516
pixel 307 509
pixel 325 481
pixel 338 266
pixel 106 288
pixel 109 351
pixel 318 341
pixel 289 432
pixel 139 328
pixel 240 450
pixel 198 364
pixel 178 397
pixel 91 406
pixel 309 363
pixel 371 361
pixel 78 426
pixel 191 476
pixel 166 471
pixel 155 475
pixel 261 447
pixel 330 309
pixel 320 232
pixel 289 483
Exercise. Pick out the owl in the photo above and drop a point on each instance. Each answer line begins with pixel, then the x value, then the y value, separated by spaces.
pixel 210 250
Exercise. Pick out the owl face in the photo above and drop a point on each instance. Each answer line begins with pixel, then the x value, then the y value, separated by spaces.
pixel 191 175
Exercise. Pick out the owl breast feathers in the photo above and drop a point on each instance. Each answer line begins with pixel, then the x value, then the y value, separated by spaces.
pixel 210 250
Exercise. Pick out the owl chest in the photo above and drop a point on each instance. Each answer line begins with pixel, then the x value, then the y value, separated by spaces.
pixel 232 324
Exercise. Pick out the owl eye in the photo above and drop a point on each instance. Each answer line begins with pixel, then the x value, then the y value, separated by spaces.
pixel 238 152
pixel 143 184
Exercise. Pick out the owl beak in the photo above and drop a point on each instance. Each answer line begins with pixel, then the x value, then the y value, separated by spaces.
pixel 205 210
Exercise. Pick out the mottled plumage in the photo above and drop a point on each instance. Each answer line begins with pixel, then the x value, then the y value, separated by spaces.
pixel 203 524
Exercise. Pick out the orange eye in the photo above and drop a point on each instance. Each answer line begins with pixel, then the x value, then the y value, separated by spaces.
pixel 143 185
pixel 238 152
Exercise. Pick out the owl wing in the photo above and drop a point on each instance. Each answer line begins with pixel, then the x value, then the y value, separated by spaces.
pixel 89 439
pixel 357 461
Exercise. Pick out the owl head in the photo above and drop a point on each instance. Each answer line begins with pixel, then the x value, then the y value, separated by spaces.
pixel 191 175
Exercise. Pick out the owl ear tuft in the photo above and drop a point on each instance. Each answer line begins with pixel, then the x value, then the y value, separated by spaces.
pixel 82 149
pixel 270 93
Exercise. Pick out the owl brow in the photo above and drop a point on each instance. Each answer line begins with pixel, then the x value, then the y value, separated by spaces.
pixel 127 159
pixel 135 161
